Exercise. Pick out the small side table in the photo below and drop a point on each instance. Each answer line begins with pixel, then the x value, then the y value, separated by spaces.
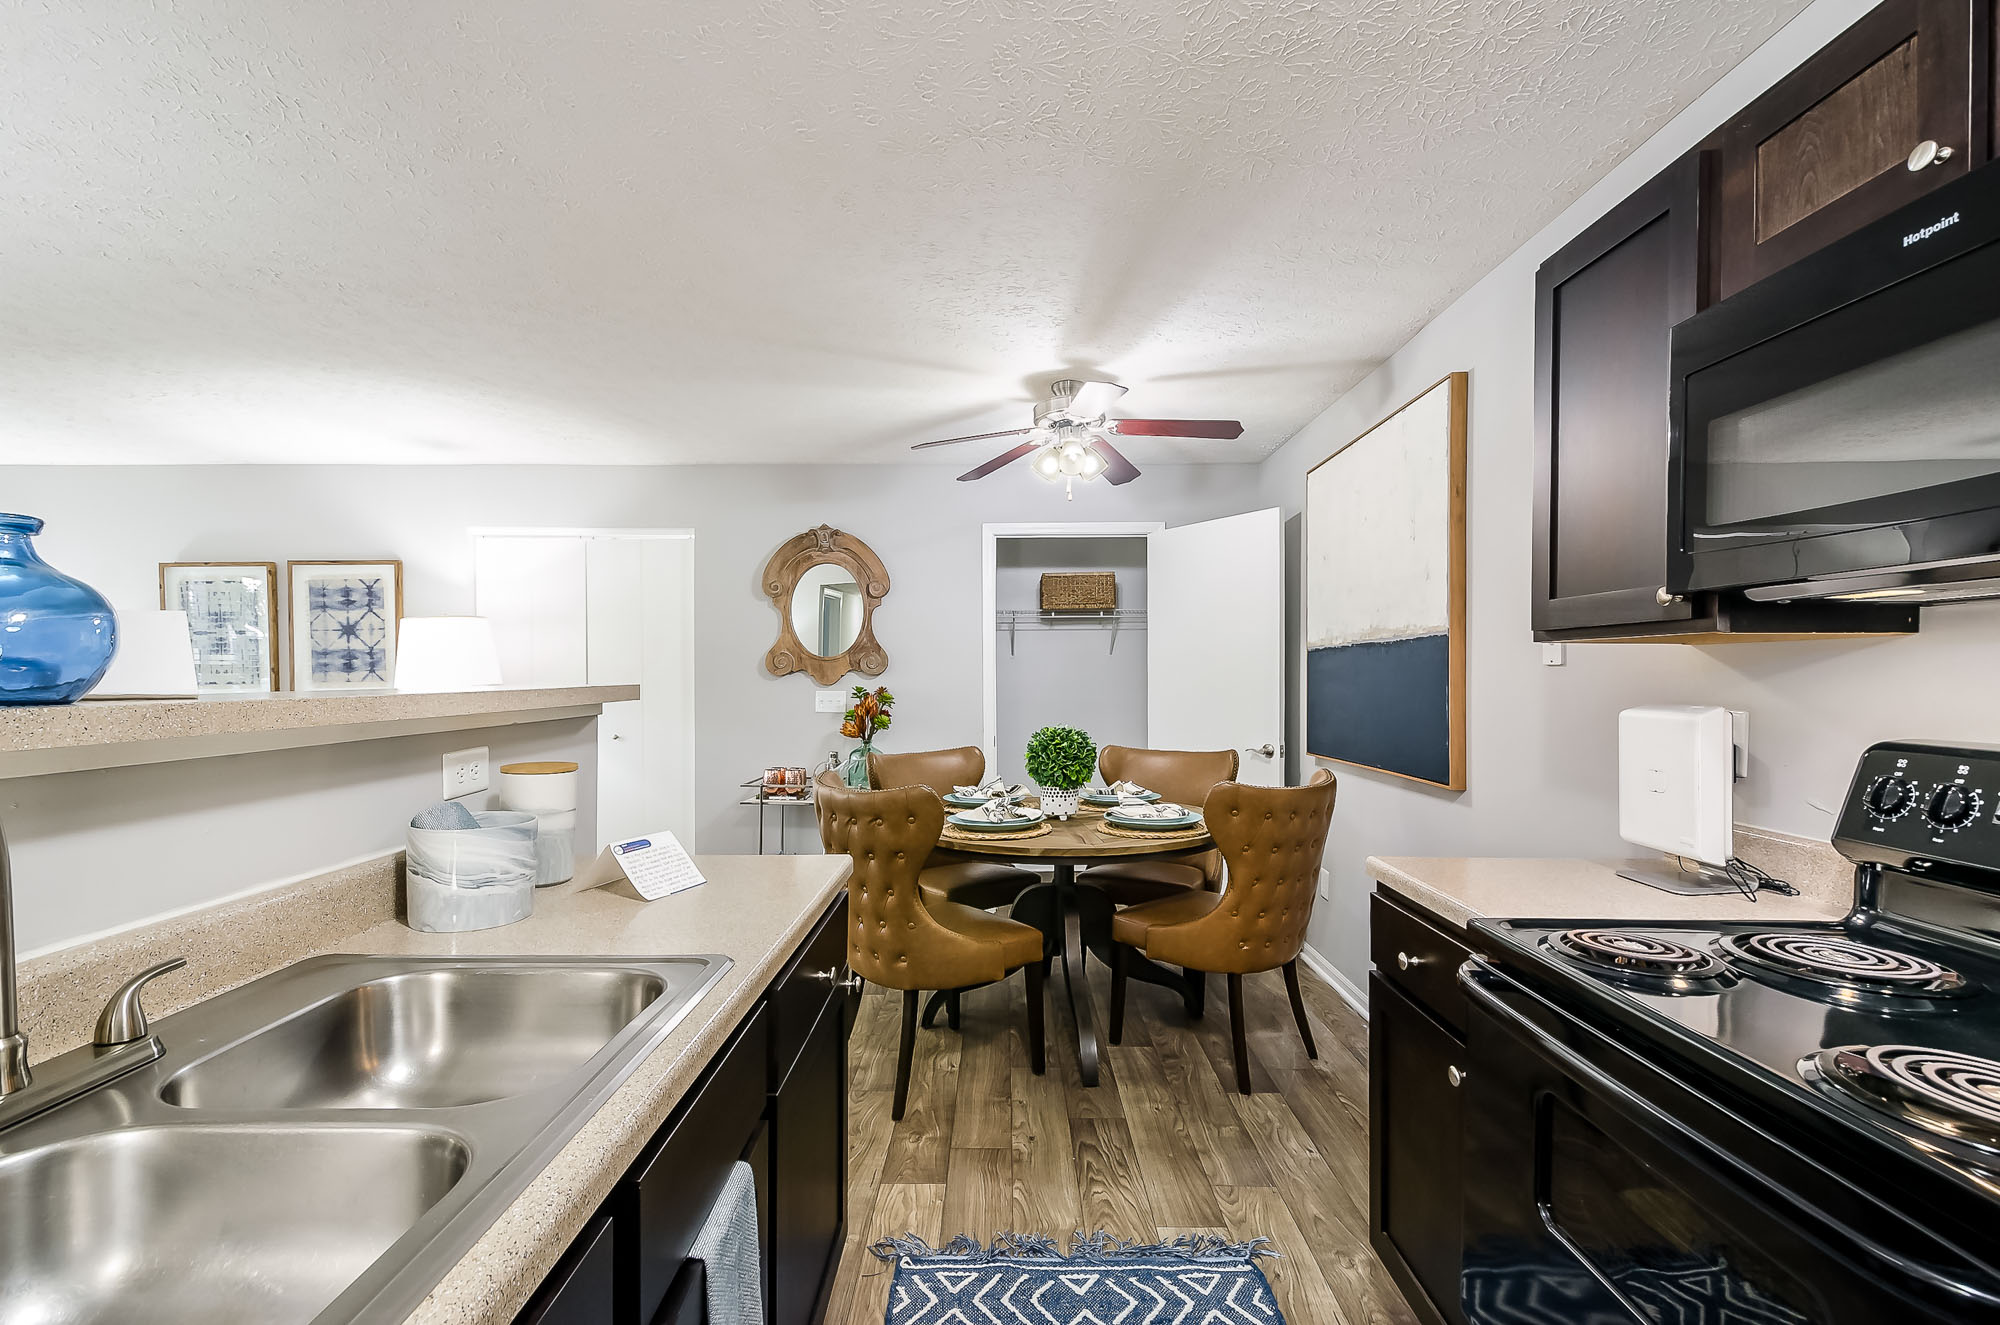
pixel 781 803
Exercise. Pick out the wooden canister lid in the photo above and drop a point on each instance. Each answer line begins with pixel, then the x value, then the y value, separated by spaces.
pixel 545 766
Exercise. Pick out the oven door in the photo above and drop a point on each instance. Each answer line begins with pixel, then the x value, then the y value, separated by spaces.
pixel 1599 1191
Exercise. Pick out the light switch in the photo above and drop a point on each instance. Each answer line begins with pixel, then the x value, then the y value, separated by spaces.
pixel 829 701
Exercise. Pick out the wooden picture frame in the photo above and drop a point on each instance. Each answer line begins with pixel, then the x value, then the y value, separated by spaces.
pixel 1384 597
pixel 211 633
pixel 371 655
pixel 825 546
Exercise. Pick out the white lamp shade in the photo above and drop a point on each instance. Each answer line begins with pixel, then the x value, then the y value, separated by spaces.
pixel 155 658
pixel 446 653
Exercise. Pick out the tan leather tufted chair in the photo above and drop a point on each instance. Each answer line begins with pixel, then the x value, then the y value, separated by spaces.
pixel 1186 776
pixel 902 937
pixel 960 875
pixel 1271 839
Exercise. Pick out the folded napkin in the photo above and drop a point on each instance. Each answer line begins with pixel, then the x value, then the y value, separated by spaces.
pixel 1001 812
pixel 995 789
pixel 1138 809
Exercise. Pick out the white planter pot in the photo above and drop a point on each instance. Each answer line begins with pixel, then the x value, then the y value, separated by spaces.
pixel 1060 802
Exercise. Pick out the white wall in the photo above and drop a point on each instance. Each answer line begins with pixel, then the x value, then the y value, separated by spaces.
pixel 108 848
pixel 1542 740
pixel 111 526
pixel 1068 676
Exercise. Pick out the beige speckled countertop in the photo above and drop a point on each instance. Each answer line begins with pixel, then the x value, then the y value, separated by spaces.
pixel 1459 889
pixel 115 733
pixel 755 909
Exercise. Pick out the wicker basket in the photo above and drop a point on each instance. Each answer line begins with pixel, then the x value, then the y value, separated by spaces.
pixel 1079 591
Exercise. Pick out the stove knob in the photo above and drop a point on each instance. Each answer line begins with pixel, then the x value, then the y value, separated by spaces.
pixel 1953 806
pixel 1890 797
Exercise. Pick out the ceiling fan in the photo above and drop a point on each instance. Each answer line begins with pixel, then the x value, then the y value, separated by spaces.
pixel 1071 437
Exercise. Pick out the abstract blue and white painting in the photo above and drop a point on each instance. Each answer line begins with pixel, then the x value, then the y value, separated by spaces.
pixel 229 611
pixel 1384 591
pixel 343 629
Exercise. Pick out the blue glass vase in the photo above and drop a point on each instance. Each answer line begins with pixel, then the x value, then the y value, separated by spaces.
pixel 57 634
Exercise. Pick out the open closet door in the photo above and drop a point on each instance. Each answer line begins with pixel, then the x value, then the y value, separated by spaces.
pixel 1215 639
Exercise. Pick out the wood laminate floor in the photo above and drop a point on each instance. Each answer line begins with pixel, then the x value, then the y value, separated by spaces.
pixel 1163 1146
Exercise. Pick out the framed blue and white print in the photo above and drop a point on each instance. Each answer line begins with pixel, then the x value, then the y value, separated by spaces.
pixel 232 612
pixel 343 623
pixel 1385 594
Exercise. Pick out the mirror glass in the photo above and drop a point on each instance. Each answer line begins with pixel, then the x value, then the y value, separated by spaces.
pixel 826 609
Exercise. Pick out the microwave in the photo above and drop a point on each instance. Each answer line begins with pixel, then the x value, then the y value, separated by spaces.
pixel 1836 426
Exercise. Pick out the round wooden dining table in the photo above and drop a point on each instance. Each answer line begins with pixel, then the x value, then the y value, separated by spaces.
pixel 1074 916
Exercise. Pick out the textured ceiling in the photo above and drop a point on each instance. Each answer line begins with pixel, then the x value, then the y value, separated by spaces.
pixel 726 230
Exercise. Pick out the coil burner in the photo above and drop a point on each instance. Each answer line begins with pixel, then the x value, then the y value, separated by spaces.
pixel 1645 960
pixel 1838 963
pixel 1956 1096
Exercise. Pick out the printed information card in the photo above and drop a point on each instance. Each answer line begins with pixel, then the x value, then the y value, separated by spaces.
pixel 649 868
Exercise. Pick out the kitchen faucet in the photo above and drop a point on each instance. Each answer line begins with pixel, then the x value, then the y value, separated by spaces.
pixel 122 1041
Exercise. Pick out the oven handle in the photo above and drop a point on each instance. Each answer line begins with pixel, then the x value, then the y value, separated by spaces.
pixel 1472 979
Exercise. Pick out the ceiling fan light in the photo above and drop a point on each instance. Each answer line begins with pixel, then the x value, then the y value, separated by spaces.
pixel 1093 463
pixel 1048 464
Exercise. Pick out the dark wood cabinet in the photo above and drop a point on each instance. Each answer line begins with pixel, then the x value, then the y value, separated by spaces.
pixel 774 1097
pixel 1605 305
pixel 1415 1120
pixel 581 1289
pixel 1829 148
pixel 808 1173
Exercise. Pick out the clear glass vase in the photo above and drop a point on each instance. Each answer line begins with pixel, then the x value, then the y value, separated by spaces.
pixel 855 771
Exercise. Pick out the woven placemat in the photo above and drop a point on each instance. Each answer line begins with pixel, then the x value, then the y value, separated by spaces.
pixel 957 834
pixel 1154 834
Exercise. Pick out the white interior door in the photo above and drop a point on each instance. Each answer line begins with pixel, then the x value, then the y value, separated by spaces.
pixel 606 609
pixel 1215 640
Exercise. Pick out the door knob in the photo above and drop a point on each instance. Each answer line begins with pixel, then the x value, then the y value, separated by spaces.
pixel 1268 750
pixel 1926 154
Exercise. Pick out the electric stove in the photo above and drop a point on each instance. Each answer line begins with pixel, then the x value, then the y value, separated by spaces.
pixel 1754 1124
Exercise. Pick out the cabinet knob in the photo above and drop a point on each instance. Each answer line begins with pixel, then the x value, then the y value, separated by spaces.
pixel 1665 597
pixel 1926 154
pixel 1404 961
pixel 1456 1076
pixel 851 985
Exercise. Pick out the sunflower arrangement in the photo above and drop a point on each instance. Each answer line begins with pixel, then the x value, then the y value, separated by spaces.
pixel 869 713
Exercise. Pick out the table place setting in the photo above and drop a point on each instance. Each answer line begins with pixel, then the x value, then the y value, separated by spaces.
pixel 1118 793
pixel 1135 816
pixel 999 816
pixel 971 798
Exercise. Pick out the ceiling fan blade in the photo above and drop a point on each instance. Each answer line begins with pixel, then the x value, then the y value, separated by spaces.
pixel 1117 469
pixel 1093 398
pixel 1000 461
pixel 1220 429
pixel 976 437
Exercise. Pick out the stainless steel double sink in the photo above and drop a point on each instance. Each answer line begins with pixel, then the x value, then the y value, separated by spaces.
pixel 322 1144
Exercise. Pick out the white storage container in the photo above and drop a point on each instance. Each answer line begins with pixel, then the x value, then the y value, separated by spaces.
pixel 471 878
pixel 548 790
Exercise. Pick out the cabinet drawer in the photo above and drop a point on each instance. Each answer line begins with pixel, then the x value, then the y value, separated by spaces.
pixel 804 988
pixel 676 1181
pixel 1418 958
pixel 579 1291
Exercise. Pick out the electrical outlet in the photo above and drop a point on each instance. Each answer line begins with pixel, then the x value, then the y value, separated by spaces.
pixel 464 772
pixel 829 701
pixel 1326 885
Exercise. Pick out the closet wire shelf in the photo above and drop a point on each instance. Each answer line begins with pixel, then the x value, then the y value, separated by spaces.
pixel 1115 619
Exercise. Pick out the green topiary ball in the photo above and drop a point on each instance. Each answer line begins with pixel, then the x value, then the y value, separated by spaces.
pixel 1061 757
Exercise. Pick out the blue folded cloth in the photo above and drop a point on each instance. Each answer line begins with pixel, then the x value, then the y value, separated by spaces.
pixel 444 814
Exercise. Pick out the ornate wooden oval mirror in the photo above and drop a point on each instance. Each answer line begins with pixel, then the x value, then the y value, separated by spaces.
pixel 825 585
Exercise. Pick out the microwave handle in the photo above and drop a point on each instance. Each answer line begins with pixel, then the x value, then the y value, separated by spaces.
pixel 1474 977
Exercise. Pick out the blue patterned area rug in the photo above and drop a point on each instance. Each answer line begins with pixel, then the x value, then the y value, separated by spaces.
pixel 1102 1281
